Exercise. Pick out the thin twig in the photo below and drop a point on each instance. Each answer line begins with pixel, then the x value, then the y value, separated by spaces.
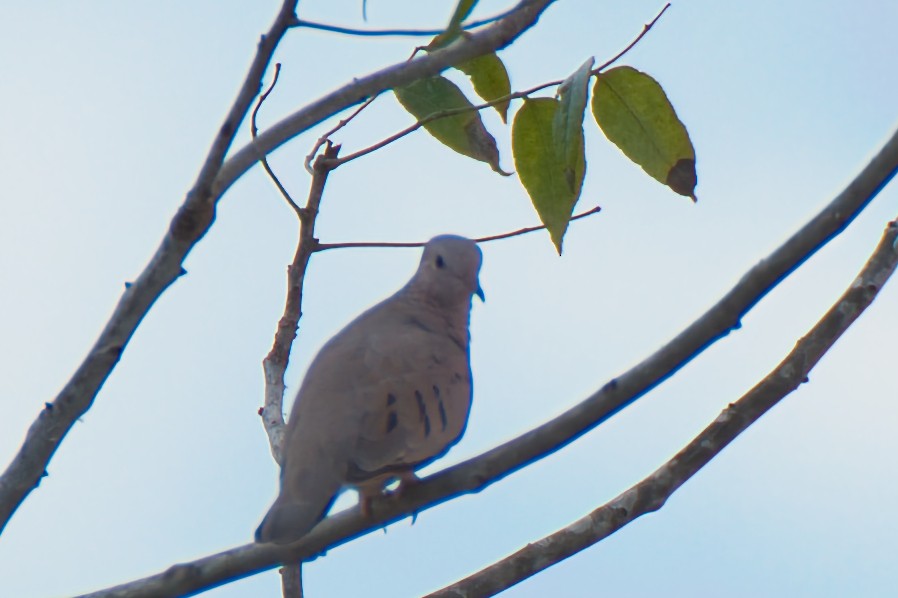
pixel 326 136
pixel 479 472
pixel 396 32
pixel 275 363
pixel 255 133
pixel 619 55
pixel 517 95
pixel 652 493
pixel 522 231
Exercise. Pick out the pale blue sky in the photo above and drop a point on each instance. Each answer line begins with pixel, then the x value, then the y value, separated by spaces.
pixel 108 109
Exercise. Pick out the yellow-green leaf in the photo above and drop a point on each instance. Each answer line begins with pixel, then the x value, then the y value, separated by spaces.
pixel 552 182
pixel 463 132
pixel 453 29
pixel 462 10
pixel 634 113
pixel 490 80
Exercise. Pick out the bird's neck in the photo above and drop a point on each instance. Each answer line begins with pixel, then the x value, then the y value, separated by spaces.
pixel 437 316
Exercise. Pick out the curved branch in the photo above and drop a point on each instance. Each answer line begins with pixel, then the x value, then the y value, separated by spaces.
pixel 193 219
pixel 475 474
pixel 652 493
pixel 254 131
pixel 515 233
pixel 396 32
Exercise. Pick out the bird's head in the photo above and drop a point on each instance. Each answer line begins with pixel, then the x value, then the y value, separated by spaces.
pixel 449 269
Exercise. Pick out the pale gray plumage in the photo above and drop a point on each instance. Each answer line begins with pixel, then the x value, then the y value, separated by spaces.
pixel 388 394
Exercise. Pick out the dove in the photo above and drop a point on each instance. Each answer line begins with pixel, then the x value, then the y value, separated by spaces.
pixel 388 394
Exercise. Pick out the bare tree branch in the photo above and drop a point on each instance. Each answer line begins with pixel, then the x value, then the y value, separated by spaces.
pixel 652 493
pixel 197 213
pixel 514 233
pixel 645 29
pixel 254 131
pixel 275 364
pixel 475 474
pixel 395 32
pixel 193 219
pixel 327 134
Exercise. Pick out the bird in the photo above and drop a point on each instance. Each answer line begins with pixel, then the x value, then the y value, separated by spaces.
pixel 388 394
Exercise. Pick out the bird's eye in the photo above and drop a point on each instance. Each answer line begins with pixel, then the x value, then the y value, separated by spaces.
pixel 439 262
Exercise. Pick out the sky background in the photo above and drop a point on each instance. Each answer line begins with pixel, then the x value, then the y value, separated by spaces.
pixel 108 110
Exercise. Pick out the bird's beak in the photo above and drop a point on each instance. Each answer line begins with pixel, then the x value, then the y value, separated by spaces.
pixel 479 293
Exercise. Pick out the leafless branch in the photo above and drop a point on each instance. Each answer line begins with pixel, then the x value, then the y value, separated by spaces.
pixel 191 222
pixel 275 364
pixel 395 32
pixel 522 231
pixel 254 130
pixel 652 493
pixel 326 136
pixel 475 474
pixel 645 29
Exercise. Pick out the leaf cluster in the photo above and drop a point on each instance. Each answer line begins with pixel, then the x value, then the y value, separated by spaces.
pixel 629 106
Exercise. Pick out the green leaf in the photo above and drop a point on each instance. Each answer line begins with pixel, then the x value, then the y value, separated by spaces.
pixel 463 132
pixel 544 167
pixel 634 113
pixel 490 80
pixel 567 127
pixel 453 29
pixel 462 10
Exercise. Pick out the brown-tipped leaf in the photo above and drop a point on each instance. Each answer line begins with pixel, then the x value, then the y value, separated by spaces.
pixel 463 131
pixel 634 113
pixel 552 177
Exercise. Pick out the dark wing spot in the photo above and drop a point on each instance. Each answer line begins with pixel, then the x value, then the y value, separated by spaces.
pixel 392 421
pixel 442 415
pixel 422 412
pixel 391 399
pixel 436 391
pixel 440 262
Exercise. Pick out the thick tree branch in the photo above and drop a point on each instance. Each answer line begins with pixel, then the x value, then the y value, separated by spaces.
pixel 652 493
pixel 475 474
pixel 193 219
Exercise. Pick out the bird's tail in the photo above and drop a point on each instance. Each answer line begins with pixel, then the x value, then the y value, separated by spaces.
pixel 294 514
